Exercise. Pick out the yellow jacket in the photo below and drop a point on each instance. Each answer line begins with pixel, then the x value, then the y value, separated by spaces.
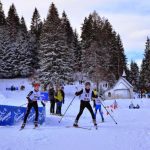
pixel 95 93
pixel 59 96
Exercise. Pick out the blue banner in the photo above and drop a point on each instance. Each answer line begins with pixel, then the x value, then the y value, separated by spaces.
pixel 11 115
pixel 45 96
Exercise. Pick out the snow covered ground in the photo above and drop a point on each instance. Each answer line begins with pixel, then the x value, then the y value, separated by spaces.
pixel 131 133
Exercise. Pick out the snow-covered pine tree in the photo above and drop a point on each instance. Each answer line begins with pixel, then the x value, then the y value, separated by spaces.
pixel 17 56
pixel 24 53
pixel 67 36
pixel 56 49
pixel 50 60
pixel 134 75
pixel 34 34
pixel 77 53
pixel 11 54
pixel 145 68
pixel 2 39
pixel 86 38
pixel 13 22
pixel 2 15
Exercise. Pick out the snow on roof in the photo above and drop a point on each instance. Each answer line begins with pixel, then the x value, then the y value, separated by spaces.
pixel 124 80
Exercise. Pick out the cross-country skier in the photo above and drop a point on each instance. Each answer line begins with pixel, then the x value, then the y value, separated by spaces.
pixel 98 107
pixel 86 95
pixel 32 98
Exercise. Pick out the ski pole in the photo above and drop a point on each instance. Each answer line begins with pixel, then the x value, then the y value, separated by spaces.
pixel 22 105
pixel 108 113
pixel 67 109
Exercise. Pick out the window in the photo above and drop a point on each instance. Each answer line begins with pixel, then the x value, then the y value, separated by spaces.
pixel 109 94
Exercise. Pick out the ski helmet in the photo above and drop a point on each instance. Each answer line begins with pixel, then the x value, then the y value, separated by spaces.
pixel 36 84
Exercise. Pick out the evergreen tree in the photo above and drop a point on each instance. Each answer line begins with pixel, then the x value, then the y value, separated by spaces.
pixel 36 24
pixel 69 40
pixel 34 34
pixel 2 15
pixel 23 25
pixel 64 60
pixel 67 28
pixel 13 22
pixel 2 40
pixel 17 57
pixel 122 60
pixel 145 68
pixel 11 54
pixel 56 48
pixel 24 53
pixel 50 61
pixel 134 75
pixel 77 53
pixel 103 55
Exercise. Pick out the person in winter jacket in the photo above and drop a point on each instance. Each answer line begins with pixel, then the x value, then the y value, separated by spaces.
pixel 93 98
pixel 131 106
pixel 32 98
pixel 86 95
pixel 59 96
pixel 62 88
pixel 51 93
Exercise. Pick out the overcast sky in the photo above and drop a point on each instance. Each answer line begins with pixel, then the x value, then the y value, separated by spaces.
pixel 129 18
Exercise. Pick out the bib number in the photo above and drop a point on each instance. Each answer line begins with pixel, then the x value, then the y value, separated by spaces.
pixel 87 97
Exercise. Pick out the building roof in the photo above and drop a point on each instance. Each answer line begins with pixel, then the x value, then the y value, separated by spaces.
pixel 124 80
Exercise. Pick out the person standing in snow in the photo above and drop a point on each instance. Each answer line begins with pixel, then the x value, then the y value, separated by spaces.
pixel 98 107
pixel 32 98
pixel 59 96
pixel 93 98
pixel 51 93
pixel 85 96
pixel 63 93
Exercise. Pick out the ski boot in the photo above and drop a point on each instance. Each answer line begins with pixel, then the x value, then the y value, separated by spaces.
pixel 35 124
pixel 23 125
pixel 102 119
pixel 75 123
pixel 95 124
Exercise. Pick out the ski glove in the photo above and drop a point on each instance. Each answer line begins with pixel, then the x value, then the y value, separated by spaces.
pixel 29 100
pixel 76 93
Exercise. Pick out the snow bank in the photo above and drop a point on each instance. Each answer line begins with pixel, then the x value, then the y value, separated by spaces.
pixel 131 133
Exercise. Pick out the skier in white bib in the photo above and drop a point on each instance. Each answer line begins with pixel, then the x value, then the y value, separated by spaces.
pixel 85 96
pixel 32 98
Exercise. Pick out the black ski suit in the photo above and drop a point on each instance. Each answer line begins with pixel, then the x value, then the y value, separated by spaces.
pixel 32 102
pixel 52 100
pixel 85 104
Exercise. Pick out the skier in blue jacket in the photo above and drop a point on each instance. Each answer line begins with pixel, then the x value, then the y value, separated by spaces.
pixel 98 107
